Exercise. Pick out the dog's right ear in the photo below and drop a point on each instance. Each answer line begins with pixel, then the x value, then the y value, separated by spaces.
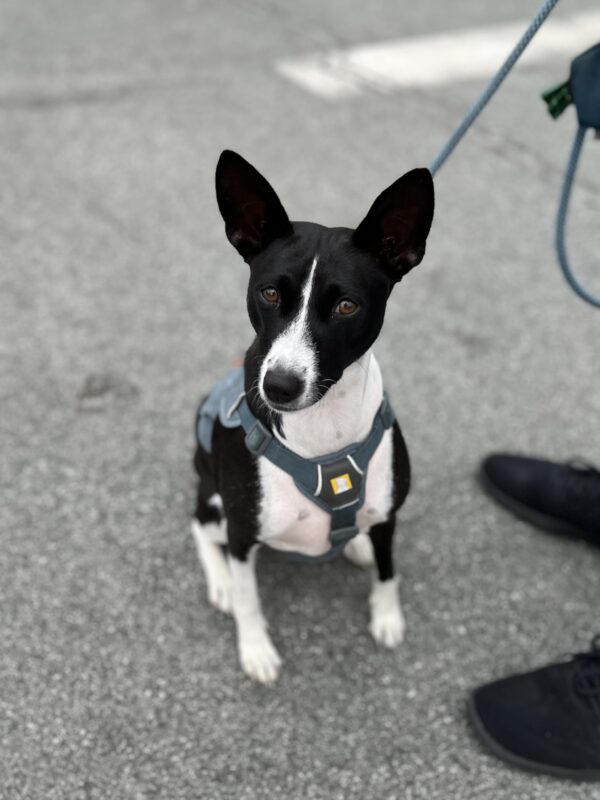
pixel 253 213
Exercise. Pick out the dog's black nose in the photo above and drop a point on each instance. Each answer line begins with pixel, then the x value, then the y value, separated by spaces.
pixel 282 387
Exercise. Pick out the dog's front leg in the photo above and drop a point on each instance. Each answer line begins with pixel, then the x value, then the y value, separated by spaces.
pixel 387 621
pixel 258 656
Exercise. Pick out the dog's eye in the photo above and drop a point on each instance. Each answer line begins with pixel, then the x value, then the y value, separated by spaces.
pixel 345 308
pixel 270 295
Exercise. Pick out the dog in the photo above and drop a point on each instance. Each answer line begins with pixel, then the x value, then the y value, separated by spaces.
pixel 299 450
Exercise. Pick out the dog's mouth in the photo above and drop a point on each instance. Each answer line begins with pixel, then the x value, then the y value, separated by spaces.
pixel 289 408
pixel 311 397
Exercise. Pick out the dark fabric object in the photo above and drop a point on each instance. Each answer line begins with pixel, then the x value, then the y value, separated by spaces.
pixel 547 720
pixel 585 87
pixel 218 404
pixel 560 498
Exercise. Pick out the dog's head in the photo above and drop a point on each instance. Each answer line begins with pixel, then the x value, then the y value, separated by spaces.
pixel 317 295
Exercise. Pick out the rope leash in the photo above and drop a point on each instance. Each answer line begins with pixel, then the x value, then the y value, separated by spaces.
pixel 561 219
pixel 557 99
pixel 493 86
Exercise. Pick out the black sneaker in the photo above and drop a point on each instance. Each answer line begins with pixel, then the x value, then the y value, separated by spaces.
pixel 545 721
pixel 560 498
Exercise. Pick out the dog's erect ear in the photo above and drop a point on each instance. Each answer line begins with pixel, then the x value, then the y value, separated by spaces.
pixel 396 227
pixel 252 211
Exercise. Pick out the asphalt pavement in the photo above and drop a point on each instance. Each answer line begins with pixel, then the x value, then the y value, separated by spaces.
pixel 120 303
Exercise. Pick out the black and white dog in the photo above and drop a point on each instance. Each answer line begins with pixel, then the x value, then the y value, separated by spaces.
pixel 316 299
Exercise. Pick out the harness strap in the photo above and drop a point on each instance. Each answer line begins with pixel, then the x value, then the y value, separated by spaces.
pixel 262 442
pixel 316 477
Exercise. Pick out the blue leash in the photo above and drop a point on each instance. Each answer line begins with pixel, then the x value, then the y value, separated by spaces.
pixel 476 110
pixel 561 218
pixel 493 86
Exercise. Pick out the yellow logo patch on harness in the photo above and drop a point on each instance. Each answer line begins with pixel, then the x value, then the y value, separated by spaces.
pixel 341 484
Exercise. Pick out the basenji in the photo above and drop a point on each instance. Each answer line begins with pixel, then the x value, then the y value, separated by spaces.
pixel 312 390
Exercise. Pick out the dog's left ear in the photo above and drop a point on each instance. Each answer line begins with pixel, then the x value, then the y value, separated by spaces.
pixel 398 222
pixel 248 203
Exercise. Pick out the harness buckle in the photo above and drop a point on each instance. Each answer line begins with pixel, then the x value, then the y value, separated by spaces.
pixel 258 439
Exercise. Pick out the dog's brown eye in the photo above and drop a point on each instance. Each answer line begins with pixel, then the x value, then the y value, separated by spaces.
pixel 345 308
pixel 270 294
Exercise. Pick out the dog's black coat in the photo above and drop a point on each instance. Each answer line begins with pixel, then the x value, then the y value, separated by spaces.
pixel 362 265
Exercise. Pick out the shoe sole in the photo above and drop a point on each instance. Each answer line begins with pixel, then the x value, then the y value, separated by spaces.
pixel 585 776
pixel 544 522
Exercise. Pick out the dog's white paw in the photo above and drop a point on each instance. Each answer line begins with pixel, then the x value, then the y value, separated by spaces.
pixel 219 589
pixel 259 658
pixel 360 551
pixel 216 569
pixel 387 621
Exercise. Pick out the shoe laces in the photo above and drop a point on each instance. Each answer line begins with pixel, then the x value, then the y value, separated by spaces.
pixel 583 467
pixel 586 676
pixel 582 484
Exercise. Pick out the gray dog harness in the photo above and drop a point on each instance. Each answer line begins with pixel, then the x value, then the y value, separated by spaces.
pixel 335 482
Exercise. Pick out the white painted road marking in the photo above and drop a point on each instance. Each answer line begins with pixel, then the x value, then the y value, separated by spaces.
pixel 436 60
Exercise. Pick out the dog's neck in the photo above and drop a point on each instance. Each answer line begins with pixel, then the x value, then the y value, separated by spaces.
pixel 342 417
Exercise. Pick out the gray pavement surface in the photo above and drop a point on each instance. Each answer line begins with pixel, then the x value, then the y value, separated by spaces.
pixel 121 302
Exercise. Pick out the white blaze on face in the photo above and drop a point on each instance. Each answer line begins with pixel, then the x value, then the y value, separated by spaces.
pixel 293 350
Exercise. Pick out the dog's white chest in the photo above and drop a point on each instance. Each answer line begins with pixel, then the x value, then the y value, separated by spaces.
pixel 291 521
pixel 288 519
